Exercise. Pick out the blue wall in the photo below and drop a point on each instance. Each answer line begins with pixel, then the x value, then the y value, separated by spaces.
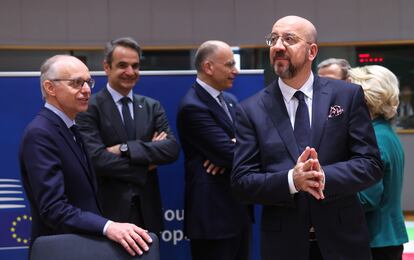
pixel 21 101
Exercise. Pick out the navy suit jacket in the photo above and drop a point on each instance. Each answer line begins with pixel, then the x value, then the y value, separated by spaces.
pixel 266 150
pixel 120 179
pixel 59 183
pixel 205 132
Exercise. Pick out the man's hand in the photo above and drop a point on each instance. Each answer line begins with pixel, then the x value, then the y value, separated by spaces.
pixel 307 174
pixel 132 238
pixel 152 167
pixel 155 138
pixel 114 149
pixel 317 167
pixel 213 169
pixel 159 136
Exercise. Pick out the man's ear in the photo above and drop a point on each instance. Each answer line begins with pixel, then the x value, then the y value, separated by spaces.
pixel 49 88
pixel 313 51
pixel 106 66
pixel 208 68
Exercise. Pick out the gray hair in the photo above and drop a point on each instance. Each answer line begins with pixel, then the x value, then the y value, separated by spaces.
pixel 342 63
pixel 127 42
pixel 48 70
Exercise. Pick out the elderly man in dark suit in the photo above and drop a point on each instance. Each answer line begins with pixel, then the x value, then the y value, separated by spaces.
pixel 305 147
pixel 57 174
pixel 127 136
pixel 218 226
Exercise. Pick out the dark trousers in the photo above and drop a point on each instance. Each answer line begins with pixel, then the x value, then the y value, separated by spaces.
pixel 387 253
pixel 135 214
pixel 234 248
pixel 314 251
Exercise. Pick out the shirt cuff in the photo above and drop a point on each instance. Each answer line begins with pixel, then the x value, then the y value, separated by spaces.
pixel 292 188
pixel 109 222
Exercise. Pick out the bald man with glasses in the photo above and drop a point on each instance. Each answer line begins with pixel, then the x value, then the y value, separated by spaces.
pixel 305 148
pixel 218 227
pixel 57 174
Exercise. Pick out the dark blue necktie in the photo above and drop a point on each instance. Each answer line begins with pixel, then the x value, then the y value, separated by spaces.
pixel 128 121
pixel 78 140
pixel 302 130
pixel 224 105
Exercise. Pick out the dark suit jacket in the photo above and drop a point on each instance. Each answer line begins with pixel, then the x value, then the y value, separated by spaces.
pixel 205 132
pixel 266 150
pixel 59 183
pixel 120 178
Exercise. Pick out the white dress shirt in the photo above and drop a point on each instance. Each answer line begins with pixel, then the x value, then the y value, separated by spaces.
pixel 292 104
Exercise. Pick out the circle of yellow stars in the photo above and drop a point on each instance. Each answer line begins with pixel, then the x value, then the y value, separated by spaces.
pixel 14 226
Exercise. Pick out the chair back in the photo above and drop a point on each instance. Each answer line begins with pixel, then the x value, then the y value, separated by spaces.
pixel 86 247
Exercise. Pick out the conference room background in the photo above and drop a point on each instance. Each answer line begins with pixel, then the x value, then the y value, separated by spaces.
pixel 167 87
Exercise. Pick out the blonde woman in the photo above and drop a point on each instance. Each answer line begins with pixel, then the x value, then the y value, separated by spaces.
pixel 382 202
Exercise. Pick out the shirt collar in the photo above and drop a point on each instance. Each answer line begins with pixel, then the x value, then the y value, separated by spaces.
pixel 288 92
pixel 212 91
pixel 116 96
pixel 68 122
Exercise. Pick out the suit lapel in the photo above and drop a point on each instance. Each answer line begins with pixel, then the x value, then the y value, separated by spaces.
pixel 320 109
pixel 276 109
pixel 214 106
pixel 111 112
pixel 140 117
pixel 68 137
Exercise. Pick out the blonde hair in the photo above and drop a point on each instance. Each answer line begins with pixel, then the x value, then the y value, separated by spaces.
pixel 380 87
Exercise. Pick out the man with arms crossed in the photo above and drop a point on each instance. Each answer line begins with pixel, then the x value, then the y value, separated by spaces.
pixel 127 136
pixel 218 226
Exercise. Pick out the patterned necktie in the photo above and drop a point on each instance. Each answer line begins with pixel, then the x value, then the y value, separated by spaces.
pixel 224 105
pixel 302 130
pixel 128 121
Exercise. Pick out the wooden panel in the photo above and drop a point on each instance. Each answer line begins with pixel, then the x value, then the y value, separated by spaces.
pixel 378 20
pixel 214 20
pixel 254 20
pixel 44 21
pixel 87 21
pixel 306 9
pixel 172 22
pixel 10 26
pixel 130 18
pixel 336 20
pixel 407 19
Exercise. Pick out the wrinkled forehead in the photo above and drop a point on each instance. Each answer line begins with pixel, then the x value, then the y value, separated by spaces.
pixel 295 25
pixel 71 68
pixel 286 26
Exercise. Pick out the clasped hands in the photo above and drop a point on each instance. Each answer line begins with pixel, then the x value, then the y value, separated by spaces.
pixel 308 174
pixel 155 138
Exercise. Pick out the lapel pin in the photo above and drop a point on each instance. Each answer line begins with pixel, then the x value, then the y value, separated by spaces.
pixel 140 106
pixel 231 104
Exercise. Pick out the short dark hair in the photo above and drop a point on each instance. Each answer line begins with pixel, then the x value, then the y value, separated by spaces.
pixel 127 42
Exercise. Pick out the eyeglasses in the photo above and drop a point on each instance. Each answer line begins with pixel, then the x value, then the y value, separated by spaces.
pixel 78 83
pixel 287 39
pixel 230 64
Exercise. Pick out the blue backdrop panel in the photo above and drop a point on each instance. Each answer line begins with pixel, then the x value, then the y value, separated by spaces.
pixel 22 100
